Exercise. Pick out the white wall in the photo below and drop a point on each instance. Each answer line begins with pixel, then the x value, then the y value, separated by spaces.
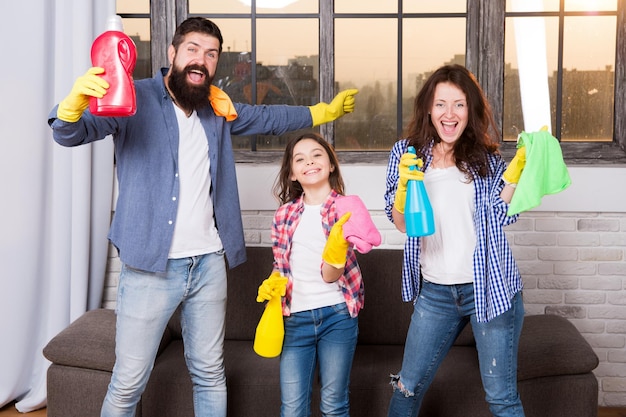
pixel 593 189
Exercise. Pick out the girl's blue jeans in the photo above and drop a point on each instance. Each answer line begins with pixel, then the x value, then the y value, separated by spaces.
pixel 326 337
pixel 145 303
pixel 440 313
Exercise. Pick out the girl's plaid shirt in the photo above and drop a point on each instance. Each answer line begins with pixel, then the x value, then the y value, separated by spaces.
pixel 286 220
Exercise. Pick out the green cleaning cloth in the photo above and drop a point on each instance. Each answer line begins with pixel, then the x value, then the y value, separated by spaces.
pixel 545 171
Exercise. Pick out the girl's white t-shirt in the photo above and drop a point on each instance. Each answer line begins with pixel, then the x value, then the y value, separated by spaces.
pixel 447 255
pixel 309 290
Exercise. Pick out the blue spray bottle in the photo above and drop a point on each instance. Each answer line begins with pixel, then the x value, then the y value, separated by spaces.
pixel 418 213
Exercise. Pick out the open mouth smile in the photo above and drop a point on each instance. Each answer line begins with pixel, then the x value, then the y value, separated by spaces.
pixel 449 127
pixel 196 76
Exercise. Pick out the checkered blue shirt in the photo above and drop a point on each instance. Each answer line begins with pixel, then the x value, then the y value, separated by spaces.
pixel 496 276
pixel 285 222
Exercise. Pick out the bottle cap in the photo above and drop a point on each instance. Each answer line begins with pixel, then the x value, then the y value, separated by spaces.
pixel 115 23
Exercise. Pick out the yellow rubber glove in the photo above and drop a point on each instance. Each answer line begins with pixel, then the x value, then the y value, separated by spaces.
pixel 336 248
pixel 89 85
pixel 406 173
pixel 514 170
pixel 273 286
pixel 342 103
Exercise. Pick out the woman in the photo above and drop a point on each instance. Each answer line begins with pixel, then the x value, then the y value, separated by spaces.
pixel 465 271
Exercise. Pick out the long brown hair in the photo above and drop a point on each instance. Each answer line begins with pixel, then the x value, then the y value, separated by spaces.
pixel 479 137
pixel 285 189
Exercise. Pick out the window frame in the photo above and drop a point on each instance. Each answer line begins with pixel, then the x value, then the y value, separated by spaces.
pixel 484 57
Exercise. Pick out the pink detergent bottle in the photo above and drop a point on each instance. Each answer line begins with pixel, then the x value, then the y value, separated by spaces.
pixel 114 51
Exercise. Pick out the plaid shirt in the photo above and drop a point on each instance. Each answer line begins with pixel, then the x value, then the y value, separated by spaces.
pixel 496 276
pixel 285 222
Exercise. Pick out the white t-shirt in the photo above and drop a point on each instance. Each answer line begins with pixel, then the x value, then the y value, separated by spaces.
pixel 195 232
pixel 309 290
pixel 452 199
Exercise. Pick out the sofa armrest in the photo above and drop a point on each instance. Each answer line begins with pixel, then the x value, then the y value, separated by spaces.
pixel 88 342
pixel 552 345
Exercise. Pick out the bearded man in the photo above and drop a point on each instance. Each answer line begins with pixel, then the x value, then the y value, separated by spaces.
pixel 177 221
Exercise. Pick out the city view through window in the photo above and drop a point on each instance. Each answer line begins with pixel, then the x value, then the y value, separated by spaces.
pixel 287 70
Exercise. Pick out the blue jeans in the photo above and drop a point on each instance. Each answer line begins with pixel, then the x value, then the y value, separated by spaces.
pixel 326 335
pixel 440 313
pixel 145 303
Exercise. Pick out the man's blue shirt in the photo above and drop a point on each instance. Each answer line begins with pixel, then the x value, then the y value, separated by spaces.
pixel 146 152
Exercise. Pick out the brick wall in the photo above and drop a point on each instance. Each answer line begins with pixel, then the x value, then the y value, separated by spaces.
pixel 573 265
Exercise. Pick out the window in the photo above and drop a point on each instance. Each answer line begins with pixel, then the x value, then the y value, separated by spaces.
pixel 304 51
pixel 560 62
pixel 136 20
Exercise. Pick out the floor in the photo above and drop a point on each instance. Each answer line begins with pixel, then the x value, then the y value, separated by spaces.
pixel 10 411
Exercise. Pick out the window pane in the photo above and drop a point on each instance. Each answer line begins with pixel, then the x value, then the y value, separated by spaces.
pixel 244 6
pixel 235 64
pixel 420 59
pixel 434 6
pixel 132 6
pixel 366 6
pixel 234 67
pixel 236 34
pixel 532 5
pixel 586 5
pixel 287 71
pixel 220 6
pixel 369 64
pixel 139 31
pixel 588 78
pixel 553 5
pixel 531 60
pixel 285 6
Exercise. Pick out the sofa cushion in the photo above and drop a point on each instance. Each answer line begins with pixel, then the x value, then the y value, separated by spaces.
pixel 75 392
pixel 242 310
pixel 169 390
pixel 457 387
pixel 88 342
pixel 384 318
pixel 370 390
pixel 383 299
pixel 551 345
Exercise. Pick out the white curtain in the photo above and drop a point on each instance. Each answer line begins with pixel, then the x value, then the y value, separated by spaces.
pixel 56 204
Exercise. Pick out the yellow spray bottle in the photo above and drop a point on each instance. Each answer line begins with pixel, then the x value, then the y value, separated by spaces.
pixel 270 332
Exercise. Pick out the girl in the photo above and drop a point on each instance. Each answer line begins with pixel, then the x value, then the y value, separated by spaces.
pixel 324 290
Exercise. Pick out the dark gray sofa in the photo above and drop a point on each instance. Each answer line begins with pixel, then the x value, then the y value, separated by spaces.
pixel 555 361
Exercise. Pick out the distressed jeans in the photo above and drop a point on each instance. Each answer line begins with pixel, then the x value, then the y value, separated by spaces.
pixel 440 313
pixel 145 303
pixel 326 336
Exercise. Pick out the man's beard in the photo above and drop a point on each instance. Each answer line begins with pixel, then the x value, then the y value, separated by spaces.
pixel 189 97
